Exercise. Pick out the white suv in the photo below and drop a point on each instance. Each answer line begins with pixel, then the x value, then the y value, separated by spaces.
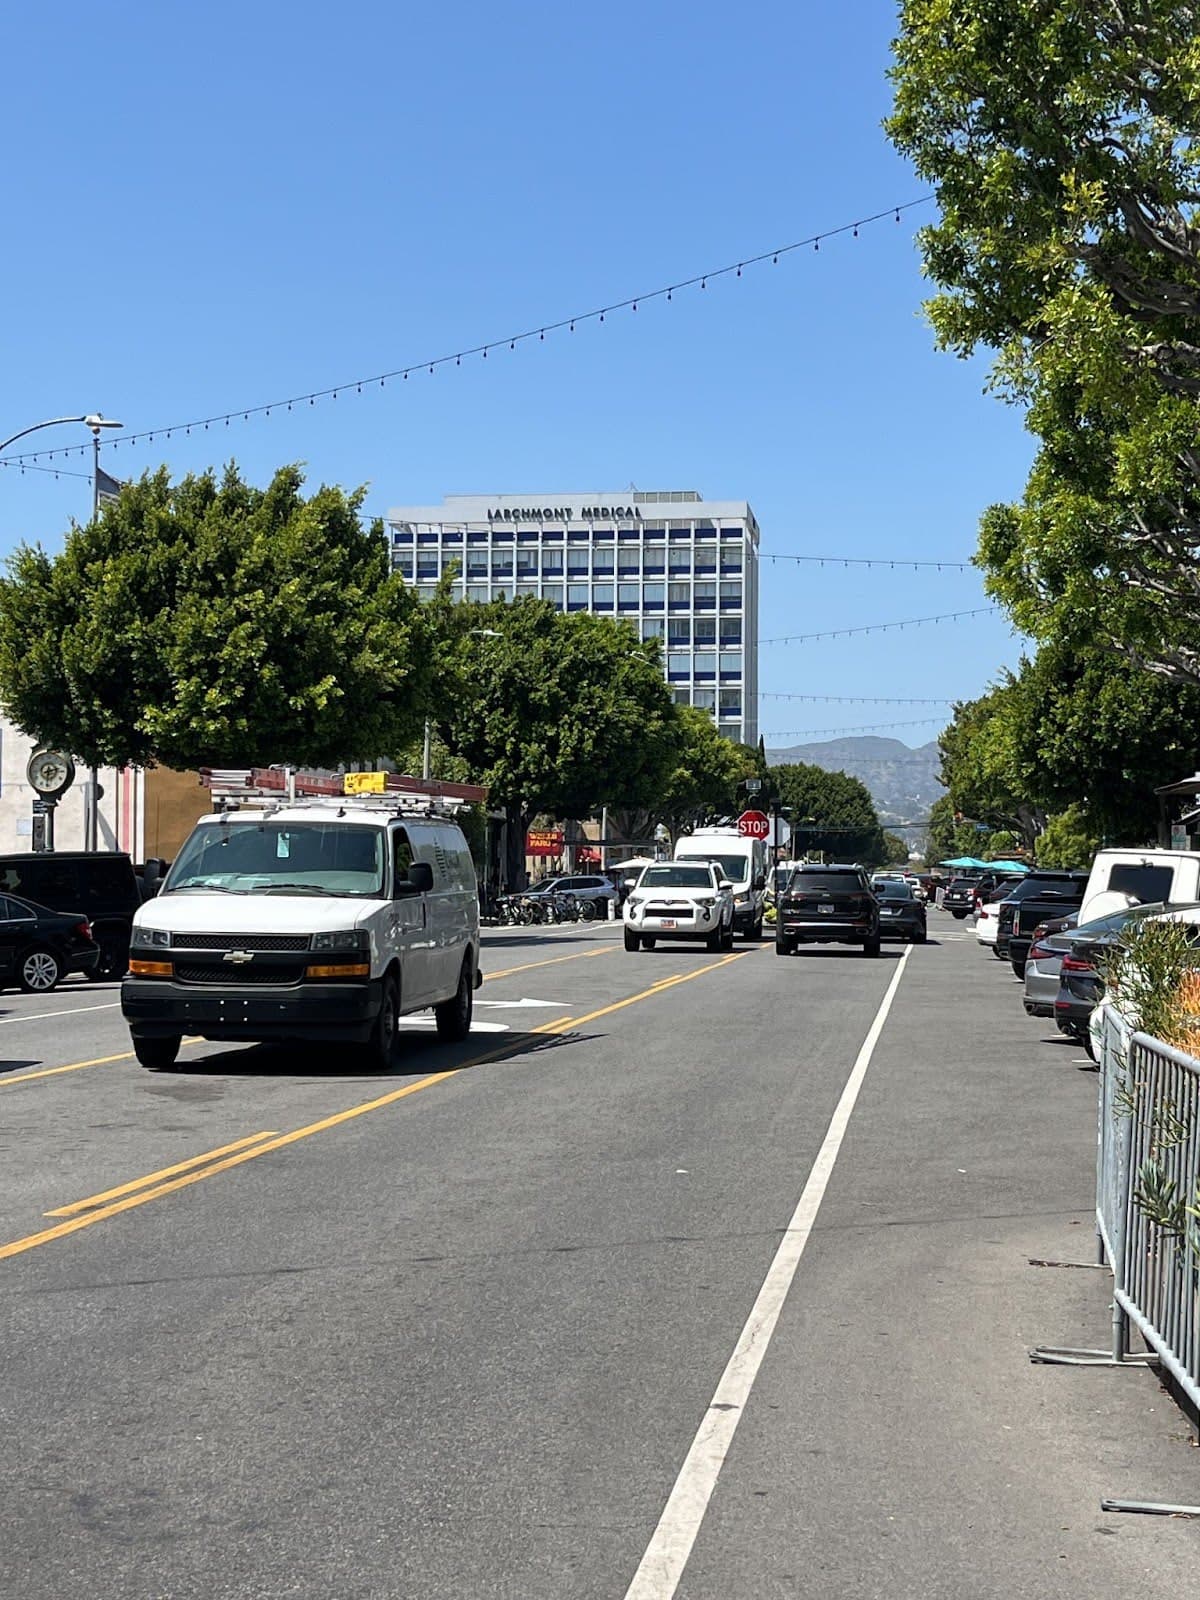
pixel 680 900
pixel 311 920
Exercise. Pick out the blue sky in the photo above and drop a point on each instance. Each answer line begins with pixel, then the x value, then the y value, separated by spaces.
pixel 213 207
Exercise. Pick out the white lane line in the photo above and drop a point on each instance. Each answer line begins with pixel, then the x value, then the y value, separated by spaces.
pixel 73 1011
pixel 661 1568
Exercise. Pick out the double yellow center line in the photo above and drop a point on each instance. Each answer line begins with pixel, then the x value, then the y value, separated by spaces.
pixel 170 1180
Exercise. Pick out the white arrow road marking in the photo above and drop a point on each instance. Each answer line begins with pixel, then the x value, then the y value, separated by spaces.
pixel 476 1027
pixel 512 1005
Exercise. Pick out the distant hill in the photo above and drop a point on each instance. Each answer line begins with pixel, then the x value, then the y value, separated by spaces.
pixel 903 782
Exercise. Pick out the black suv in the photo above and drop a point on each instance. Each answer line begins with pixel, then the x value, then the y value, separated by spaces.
pixel 827 905
pixel 959 897
pixel 1044 893
pixel 101 885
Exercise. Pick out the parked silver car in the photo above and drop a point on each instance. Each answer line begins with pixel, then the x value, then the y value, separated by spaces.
pixel 1042 966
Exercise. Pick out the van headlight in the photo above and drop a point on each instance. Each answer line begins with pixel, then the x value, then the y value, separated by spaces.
pixel 347 939
pixel 149 938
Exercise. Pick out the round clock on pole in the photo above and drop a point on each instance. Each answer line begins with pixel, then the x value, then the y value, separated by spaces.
pixel 50 773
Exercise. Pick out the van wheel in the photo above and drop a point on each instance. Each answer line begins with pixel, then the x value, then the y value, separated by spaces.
pixel 383 1032
pixel 453 1017
pixel 157 1055
pixel 40 971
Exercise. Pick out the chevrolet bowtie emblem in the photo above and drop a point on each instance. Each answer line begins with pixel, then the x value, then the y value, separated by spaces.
pixel 239 956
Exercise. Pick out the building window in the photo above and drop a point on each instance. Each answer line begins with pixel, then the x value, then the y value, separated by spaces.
pixel 602 560
pixel 731 595
pixel 602 596
pixel 478 592
pixel 706 558
pixel 427 567
pixel 452 536
pixel 679 630
pixel 476 538
pixel 402 536
pixel 680 561
pixel 654 596
pixel 705 629
pixel 554 593
pixel 683 697
pixel 552 560
pixel 731 559
pixel 679 666
pixel 679 596
pixel 731 703
pixel 477 563
pixel 706 665
pixel 731 631
pixel 502 591
pixel 731 664
pixel 654 559
pixel 628 596
pixel 704 699
pixel 404 566
pixel 527 563
pixel 652 628
pixel 705 596
pixel 577 562
pixel 526 589
pixel 629 561
pixel 577 596
pixel 428 538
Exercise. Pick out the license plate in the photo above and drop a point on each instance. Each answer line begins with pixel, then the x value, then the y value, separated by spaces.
pixel 889 911
pixel 825 910
pixel 666 922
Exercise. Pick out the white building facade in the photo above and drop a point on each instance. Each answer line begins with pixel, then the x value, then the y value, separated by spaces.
pixel 121 815
pixel 680 568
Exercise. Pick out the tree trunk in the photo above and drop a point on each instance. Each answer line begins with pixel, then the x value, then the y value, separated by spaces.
pixel 516 821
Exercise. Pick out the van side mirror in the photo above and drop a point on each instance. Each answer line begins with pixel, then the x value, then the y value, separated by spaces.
pixel 418 881
pixel 724 883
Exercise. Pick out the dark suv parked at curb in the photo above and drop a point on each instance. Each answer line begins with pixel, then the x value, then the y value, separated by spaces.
pixel 827 905
pixel 100 885
pixel 1045 893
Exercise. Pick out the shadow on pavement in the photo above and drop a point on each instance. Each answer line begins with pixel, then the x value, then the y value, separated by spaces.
pixel 418 1053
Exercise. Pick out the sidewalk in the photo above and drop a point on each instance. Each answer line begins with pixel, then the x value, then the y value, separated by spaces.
pixel 912 1448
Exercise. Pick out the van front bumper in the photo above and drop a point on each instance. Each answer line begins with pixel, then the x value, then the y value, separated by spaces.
pixel 158 1008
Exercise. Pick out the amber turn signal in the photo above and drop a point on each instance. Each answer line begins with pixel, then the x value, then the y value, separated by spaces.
pixel 151 969
pixel 342 969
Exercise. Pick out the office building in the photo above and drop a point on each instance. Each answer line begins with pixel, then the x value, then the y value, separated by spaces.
pixel 678 567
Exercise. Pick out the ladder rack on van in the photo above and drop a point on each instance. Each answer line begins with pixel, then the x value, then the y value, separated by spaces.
pixel 273 787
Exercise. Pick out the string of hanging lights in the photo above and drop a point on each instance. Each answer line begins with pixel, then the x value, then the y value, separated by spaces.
pixel 881 627
pixel 537 334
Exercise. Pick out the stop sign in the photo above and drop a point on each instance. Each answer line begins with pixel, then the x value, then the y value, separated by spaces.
pixel 754 824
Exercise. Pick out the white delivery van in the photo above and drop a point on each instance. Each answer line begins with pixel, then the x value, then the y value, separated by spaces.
pixel 743 861
pixel 307 919
pixel 1121 878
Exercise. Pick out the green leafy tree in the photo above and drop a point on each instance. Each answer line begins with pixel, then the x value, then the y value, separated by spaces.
pixel 951 834
pixel 1068 840
pixel 895 850
pixel 706 776
pixel 208 622
pixel 1061 136
pixel 829 812
pixel 982 771
pixel 558 713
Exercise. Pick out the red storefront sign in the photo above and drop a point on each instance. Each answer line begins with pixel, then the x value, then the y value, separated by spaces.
pixel 544 842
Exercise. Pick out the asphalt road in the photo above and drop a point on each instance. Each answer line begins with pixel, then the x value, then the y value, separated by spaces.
pixel 629 1294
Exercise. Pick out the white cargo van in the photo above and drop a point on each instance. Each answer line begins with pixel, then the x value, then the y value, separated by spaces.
pixel 743 861
pixel 307 919
pixel 1121 878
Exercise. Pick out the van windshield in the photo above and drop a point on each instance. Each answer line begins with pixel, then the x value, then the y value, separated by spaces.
pixel 281 858
pixel 735 868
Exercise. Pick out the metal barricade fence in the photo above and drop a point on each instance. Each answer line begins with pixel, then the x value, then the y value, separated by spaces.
pixel 1157 1284
pixel 1114 1133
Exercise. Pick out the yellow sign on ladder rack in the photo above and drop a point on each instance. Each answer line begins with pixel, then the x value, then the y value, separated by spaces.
pixel 365 783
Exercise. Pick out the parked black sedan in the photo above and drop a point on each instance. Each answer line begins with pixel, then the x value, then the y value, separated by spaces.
pixel 38 947
pixel 900 916
pixel 1081 975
